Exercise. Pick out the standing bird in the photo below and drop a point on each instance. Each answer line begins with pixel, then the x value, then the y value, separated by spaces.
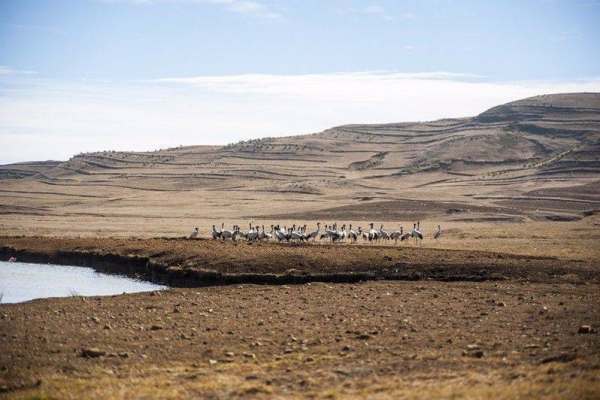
pixel 438 233
pixel 373 233
pixel 396 235
pixel 315 234
pixel 383 234
pixel 364 234
pixel 416 233
pixel 215 233
pixel 353 235
pixel 343 234
pixel 296 235
pixel 194 233
pixel 265 235
pixel 252 233
pixel 280 234
pixel 227 234
pixel 404 236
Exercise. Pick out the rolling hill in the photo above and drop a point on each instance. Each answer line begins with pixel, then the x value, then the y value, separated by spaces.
pixel 535 158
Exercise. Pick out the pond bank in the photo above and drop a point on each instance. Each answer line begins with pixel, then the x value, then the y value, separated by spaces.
pixel 193 263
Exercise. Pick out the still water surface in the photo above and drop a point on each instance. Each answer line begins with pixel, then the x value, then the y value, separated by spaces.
pixel 25 281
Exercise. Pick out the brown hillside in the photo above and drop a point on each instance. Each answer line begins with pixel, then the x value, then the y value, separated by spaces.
pixel 517 162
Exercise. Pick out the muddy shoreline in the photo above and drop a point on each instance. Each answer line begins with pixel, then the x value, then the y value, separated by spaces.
pixel 196 263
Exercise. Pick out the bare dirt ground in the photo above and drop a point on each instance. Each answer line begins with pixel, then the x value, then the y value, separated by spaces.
pixel 371 340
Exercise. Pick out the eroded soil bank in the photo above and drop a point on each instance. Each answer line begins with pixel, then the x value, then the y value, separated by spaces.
pixel 193 263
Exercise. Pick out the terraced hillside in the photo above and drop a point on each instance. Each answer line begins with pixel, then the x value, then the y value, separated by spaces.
pixel 532 159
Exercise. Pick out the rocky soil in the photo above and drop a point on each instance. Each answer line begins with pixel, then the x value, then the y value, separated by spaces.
pixel 317 340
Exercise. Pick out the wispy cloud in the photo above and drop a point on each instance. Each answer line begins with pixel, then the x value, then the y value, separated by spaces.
pixel 373 10
pixel 311 84
pixel 45 29
pixel 377 10
pixel 4 70
pixel 248 7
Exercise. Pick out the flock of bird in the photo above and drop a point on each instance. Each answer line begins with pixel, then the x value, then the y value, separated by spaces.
pixel 329 232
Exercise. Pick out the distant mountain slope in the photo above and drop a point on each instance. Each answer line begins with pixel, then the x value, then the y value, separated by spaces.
pixel 509 150
pixel 26 169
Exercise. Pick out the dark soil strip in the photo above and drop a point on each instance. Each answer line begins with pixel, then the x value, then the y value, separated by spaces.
pixel 169 264
pixel 145 269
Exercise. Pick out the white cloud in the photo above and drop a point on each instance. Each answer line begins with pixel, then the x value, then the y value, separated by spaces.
pixel 311 85
pixel 52 120
pixel 373 10
pixel 249 7
pixel 376 10
pixel 4 70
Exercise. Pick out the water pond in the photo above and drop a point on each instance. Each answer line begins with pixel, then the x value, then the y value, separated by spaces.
pixel 24 281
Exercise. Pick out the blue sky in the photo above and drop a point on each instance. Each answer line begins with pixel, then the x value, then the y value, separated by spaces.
pixel 143 74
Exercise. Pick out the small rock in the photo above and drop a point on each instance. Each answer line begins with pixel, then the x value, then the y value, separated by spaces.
pixel 515 375
pixel 123 354
pixel 473 347
pixel 212 362
pixel 107 327
pixel 584 329
pixel 249 355
pixel 92 352
pixel 229 354
pixel 155 327
pixel 532 346
pixel 474 353
pixel 363 336
pixel 501 304
pixel 346 348
pixel 562 358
